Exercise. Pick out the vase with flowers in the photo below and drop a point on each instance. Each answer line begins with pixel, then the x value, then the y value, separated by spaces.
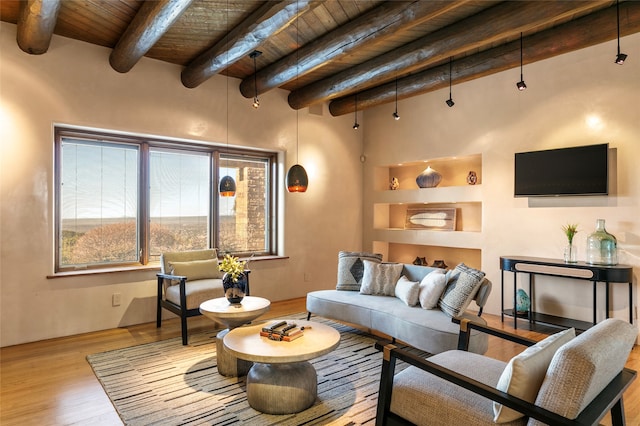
pixel 570 230
pixel 234 280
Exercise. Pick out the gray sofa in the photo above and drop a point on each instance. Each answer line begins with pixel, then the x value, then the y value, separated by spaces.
pixel 430 330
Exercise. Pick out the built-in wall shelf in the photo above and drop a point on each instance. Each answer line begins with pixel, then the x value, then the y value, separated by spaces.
pixel 448 194
pixel 458 239
pixel 398 238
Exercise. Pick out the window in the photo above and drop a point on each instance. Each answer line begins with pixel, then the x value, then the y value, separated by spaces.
pixel 123 201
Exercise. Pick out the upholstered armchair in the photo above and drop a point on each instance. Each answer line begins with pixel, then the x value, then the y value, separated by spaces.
pixel 187 279
pixel 561 380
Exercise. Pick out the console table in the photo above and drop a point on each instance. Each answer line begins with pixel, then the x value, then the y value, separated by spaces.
pixel 558 268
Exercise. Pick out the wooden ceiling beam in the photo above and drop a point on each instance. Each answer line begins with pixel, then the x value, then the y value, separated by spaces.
pixel 269 19
pixel 490 26
pixel 370 27
pixel 589 30
pixel 151 22
pixel 36 22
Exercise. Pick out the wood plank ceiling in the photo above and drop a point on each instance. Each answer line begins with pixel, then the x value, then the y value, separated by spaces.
pixel 335 51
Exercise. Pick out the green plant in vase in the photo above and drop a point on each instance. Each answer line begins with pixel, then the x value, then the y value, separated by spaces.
pixel 234 280
pixel 570 230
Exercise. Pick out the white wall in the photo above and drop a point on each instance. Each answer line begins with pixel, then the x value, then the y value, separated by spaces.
pixel 579 98
pixel 73 84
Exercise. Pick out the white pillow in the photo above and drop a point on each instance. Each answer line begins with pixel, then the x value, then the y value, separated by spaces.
pixel 523 375
pixel 380 278
pixel 431 287
pixel 407 291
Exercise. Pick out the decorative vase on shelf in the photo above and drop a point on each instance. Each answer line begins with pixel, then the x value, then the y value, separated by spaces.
pixel 429 178
pixel 523 303
pixel 602 247
pixel 234 291
pixel 570 254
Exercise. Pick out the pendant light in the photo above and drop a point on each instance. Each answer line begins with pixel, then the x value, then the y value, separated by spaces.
pixel 355 123
pixel 227 184
pixel 450 102
pixel 520 85
pixel 396 116
pixel 297 179
pixel 620 57
pixel 253 55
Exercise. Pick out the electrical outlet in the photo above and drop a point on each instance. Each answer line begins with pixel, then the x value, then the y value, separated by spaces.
pixel 116 299
pixel 636 312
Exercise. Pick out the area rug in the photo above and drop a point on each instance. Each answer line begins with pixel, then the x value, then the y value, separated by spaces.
pixel 166 383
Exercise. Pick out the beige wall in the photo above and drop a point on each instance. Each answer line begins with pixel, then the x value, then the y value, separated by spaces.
pixel 73 84
pixel 576 99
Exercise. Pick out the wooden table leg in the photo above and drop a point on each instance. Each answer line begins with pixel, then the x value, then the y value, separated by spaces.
pixel 282 388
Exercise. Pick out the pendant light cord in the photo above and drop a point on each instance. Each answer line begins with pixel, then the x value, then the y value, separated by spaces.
pixel 618 20
pixel 297 80
pixel 521 75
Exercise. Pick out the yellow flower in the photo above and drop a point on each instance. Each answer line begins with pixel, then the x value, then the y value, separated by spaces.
pixel 570 230
pixel 232 266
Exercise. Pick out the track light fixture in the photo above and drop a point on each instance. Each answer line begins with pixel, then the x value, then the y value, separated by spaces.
pixel 253 55
pixel 620 57
pixel 450 102
pixel 396 116
pixel 356 126
pixel 520 85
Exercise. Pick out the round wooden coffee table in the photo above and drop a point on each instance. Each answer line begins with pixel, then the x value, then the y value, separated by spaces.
pixel 282 381
pixel 232 316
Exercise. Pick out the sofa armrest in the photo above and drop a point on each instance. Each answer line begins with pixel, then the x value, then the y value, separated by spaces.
pixel 610 398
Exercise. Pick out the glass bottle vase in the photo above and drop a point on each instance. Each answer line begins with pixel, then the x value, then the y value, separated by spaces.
pixel 570 254
pixel 602 247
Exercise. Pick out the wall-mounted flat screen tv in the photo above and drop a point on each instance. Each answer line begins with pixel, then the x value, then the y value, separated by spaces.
pixel 580 170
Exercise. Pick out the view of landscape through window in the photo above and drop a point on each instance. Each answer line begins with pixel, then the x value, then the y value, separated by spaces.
pixel 100 201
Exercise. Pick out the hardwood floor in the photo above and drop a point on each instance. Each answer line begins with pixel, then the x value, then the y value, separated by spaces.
pixel 51 383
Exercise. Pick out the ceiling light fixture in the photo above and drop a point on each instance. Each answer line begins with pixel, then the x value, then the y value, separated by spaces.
pixel 356 126
pixel 227 186
pixel 620 57
pixel 253 55
pixel 520 85
pixel 450 102
pixel 396 116
pixel 297 179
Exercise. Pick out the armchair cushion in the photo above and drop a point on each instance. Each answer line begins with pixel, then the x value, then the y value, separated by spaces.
pixel 582 368
pixel 524 373
pixel 196 292
pixel 425 399
pixel 196 269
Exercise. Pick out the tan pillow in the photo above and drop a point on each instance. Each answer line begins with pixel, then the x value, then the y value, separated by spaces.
pixel 196 269
pixel 380 278
pixel 523 375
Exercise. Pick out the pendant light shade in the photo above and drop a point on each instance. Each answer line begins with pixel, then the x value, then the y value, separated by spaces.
pixel 297 180
pixel 227 187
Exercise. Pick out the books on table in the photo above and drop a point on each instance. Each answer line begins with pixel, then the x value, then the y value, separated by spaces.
pixel 282 331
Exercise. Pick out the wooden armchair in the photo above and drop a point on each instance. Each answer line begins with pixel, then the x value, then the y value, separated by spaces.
pixel 565 381
pixel 187 279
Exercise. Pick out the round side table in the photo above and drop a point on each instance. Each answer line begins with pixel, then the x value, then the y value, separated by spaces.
pixel 282 381
pixel 232 316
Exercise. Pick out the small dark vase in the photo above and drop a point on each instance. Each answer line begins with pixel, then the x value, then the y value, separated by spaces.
pixel 234 291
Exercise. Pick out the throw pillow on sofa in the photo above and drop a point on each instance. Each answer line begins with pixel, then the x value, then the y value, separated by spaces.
pixel 460 290
pixel 431 288
pixel 523 375
pixel 380 278
pixel 351 269
pixel 407 291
